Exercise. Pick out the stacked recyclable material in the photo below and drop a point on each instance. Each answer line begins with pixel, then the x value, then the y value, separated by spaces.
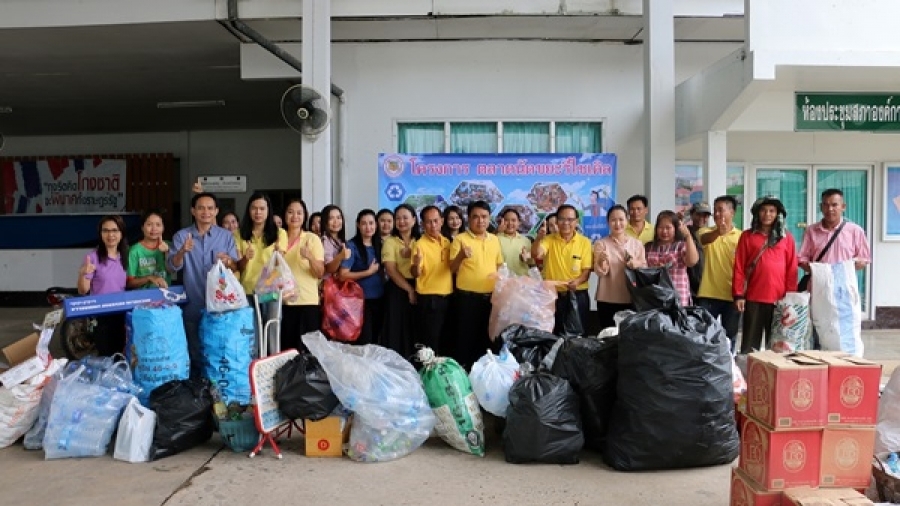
pixel 392 416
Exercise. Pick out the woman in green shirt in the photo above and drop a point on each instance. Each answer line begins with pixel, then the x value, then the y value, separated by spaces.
pixel 147 258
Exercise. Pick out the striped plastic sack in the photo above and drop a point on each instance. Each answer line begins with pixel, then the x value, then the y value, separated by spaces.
pixel 835 307
pixel 791 330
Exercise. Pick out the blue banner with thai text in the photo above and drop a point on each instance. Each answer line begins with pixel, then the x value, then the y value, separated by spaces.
pixel 533 184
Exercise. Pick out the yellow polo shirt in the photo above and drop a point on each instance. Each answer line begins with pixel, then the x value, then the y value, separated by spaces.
pixel 511 247
pixel 646 234
pixel 565 260
pixel 261 256
pixel 307 289
pixel 718 266
pixel 435 277
pixel 390 252
pixel 479 272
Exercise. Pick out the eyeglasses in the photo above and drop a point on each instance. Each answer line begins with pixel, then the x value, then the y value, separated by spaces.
pixel 110 230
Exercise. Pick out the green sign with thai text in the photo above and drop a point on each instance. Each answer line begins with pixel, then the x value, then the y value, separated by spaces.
pixel 852 112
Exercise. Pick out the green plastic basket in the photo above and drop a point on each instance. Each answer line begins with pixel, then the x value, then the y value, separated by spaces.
pixel 240 435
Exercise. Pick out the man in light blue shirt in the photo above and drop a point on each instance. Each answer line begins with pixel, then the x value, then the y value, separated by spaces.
pixel 196 250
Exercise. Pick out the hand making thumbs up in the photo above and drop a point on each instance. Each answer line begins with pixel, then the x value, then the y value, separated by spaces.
pixel 188 243
pixel 88 267
pixel 525 255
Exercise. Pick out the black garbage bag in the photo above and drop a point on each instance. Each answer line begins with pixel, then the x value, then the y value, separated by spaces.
pixel 302 389
pixel 572 324
pixel 651 288
pixel 184 416
pixel 542 422
pixel 674 405
pixel 590 365
pixel 528 345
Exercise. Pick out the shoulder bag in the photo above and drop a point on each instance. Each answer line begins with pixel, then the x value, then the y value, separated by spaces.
pixel 803 285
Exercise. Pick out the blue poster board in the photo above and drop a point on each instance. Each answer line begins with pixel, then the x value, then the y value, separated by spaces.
pixel 533 184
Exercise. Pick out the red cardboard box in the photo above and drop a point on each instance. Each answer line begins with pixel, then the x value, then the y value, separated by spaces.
pixel 824 497
pixel 746 493
pixel 780 459
pixel 786 391
pixel 847 457
pixel 853 385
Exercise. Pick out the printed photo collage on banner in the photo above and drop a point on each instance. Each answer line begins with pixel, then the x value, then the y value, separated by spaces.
pixel 533 184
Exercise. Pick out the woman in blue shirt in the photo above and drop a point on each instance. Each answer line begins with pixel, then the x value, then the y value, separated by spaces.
pixel 364 268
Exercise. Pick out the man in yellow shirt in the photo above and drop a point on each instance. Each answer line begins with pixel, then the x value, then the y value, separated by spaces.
pixel 475 255
pixel 638 226
pixel 567 257
pixel 434 281
pixel 719 246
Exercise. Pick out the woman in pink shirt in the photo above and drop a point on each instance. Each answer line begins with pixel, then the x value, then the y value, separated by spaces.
pixel 102 272
pixel 612 255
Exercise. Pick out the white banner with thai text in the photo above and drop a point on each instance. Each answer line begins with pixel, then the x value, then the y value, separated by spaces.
pixel 64 185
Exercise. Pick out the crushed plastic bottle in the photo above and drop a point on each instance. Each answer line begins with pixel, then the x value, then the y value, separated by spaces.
pixel 893 463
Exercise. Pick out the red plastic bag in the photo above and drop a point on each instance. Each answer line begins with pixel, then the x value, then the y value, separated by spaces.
pixel 342 317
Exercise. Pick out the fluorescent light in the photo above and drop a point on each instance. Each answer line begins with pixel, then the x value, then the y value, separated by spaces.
pixel 190 103
pixel 5 109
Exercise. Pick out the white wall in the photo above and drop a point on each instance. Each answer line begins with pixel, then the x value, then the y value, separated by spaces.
pixel 496 80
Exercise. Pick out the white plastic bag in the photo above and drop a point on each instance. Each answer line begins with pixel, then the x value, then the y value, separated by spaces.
pixel 223 290
pixel 835 307
pixel 276 277
pixel 790 324
pixel 887 431
pixel 20 404
pixel 492 376
pixel 523 300
pixel 391 414
pixel 135 435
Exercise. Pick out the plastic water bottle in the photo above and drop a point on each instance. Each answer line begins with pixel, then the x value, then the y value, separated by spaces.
pixel 893 462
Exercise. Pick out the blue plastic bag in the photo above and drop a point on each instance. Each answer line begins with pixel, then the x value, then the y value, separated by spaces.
pixel 228 340
pixel 157 348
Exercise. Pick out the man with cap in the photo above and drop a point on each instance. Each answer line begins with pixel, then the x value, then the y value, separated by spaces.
pixel 700 213
pixel 765 269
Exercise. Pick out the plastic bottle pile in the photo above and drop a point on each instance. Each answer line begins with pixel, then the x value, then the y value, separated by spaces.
pixel 86 406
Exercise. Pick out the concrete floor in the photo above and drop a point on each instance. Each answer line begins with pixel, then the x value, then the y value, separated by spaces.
pixel 435 473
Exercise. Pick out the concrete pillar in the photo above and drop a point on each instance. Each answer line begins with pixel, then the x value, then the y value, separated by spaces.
pixel 317 177
pixel 659 104
pixel 715 165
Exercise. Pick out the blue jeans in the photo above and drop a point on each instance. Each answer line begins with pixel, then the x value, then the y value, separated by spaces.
pixel 727 314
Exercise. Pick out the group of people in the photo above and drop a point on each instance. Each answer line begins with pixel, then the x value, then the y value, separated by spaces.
pixel 427 277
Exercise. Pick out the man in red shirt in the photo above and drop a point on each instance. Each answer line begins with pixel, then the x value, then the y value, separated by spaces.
pixel 765 269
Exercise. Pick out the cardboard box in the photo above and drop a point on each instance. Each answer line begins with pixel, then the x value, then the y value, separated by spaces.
pixel 780 459
pixel 22 356
pixel 824 497
pixel 847 457
pixel 744 492
pixel 20 351
pixel 853 385
pixel 326 437
pixel 786 391
pixel 119 302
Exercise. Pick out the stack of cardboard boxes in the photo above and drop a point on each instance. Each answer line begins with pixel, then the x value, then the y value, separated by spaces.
pixel 809 422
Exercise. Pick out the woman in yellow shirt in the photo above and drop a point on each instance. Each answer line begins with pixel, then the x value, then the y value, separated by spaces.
pixel 306 258
pixel 396 256
pixel 256 240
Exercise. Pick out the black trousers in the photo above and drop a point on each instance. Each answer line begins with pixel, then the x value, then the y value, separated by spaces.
pixel 296 321
pixel 373 320
pixel 473 313
pixel 757 322
pixel 564 307
pixel 607 310
pixel 431 311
